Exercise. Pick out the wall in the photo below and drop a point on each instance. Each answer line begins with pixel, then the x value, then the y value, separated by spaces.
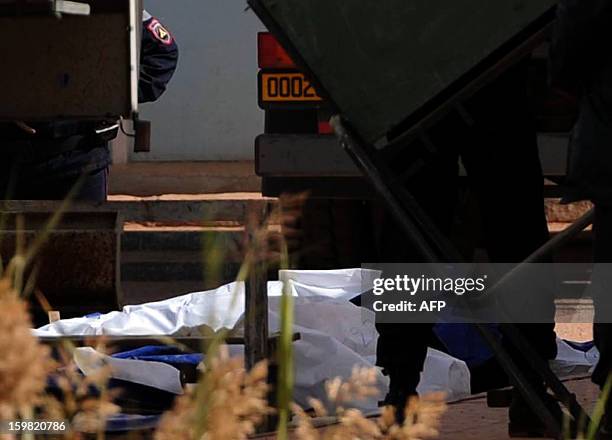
pixel 210 109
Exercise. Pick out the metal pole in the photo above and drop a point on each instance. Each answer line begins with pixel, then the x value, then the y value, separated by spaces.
pixel 520 382
pixel 256 332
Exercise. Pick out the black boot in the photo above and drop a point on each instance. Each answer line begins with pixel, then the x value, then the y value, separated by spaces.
pixel 402 386
pixel 524 423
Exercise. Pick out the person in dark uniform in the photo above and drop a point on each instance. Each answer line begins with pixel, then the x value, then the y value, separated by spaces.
pixel 498 148
pixel 582 65
pixel 44 161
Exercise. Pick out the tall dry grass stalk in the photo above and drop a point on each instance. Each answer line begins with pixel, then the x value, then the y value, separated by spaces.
pixel 87 412
pixel 24 363
pixel 266 248
pixel 236 402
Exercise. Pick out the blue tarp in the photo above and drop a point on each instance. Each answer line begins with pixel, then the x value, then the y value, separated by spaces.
pixel 161 353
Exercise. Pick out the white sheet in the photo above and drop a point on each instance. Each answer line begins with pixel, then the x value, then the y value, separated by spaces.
pixel 158 375
pixel 335 334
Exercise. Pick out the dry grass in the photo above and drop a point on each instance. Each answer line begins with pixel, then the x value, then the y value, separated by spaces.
pixel 24 363
pixel 237 403
pixel 25 366
pixel 234 403
pixel 422 415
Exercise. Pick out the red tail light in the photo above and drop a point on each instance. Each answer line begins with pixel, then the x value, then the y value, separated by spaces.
pixel 271 54
pixel 325 128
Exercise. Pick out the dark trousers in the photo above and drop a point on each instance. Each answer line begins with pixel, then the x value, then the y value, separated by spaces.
pixel 500 154
pixel 91 187
pixel 82 173
pixel 602 227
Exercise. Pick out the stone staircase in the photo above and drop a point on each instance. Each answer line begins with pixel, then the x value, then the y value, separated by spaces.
pixel 179 244
pixel 158 264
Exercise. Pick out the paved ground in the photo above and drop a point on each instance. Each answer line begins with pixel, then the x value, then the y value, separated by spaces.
pixel 472 420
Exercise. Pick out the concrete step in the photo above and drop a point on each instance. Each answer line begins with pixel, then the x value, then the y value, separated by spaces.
pixel 153 178
pixel 140 292
pixel 226 239
pixel 229 209
pixel 181 255
pixel 173 265
pixel 210 255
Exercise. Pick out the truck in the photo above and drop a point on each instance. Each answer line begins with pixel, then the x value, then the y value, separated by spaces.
pixel 299 153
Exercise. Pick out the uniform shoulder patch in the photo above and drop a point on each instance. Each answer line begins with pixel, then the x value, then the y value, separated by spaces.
pixel 160 32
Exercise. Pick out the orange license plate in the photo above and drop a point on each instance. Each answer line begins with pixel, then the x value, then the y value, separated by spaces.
pixel 286 88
